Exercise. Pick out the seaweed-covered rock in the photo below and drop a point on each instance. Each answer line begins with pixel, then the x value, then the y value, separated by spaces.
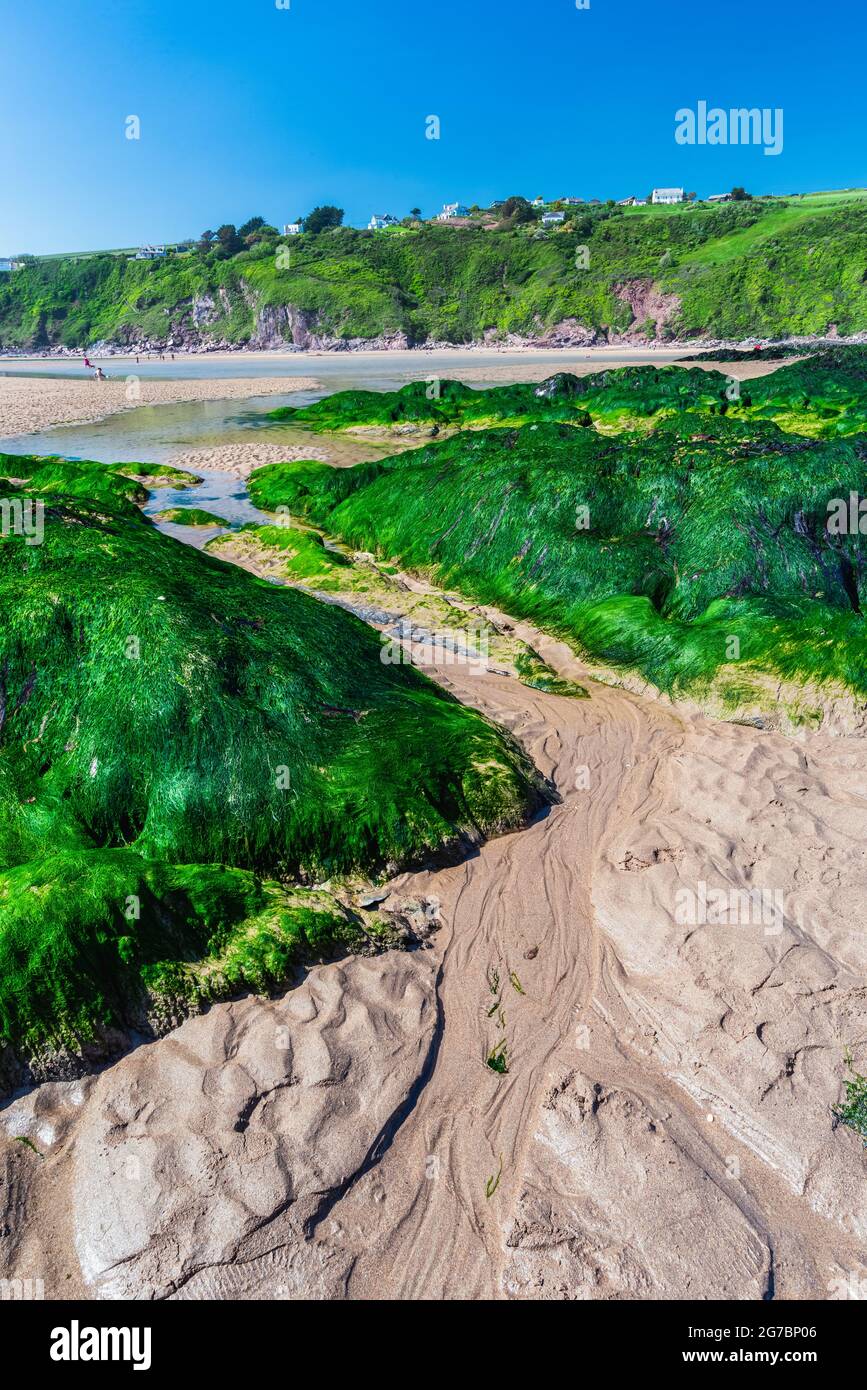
pixel 176 736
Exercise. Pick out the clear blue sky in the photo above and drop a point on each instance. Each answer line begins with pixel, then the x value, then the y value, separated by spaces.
pixel 246 108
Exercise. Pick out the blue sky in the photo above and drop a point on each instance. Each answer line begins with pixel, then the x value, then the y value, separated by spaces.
pixel 246 108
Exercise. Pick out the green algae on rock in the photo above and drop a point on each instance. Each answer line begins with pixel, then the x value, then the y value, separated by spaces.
pixel 195 517
pixel 159 474
pixel 176 736
pixel 95 941
pixel 824 396
pixel 696 554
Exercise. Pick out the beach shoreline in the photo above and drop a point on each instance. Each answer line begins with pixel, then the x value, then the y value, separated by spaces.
pixel 32 400
pixel 626 346
pixel 31 404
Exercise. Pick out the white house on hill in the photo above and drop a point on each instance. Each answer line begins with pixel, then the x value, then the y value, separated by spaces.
pixel 292 229
pixel 667 195
pixel 451 210
pixel 380 220
pixel 552 219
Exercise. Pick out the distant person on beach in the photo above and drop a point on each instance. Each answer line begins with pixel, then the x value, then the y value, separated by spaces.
pixel 87 362
pixel 100 374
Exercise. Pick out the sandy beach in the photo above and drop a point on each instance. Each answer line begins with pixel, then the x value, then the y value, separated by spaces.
pixel 239 459
pixel 28 404
pixel 31 403
pixel 665 1125
pixel 664 1129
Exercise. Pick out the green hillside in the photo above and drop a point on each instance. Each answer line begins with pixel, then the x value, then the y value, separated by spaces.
pixel 763 266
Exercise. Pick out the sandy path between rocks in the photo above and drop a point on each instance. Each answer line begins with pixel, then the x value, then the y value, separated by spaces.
pixel 664 1129
pixel 239 459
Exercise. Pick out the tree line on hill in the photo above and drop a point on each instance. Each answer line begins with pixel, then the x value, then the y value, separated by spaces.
pixel 228 240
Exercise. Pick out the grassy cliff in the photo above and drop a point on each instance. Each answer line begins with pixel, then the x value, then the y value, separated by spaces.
pixel 764 266
pixel 184 751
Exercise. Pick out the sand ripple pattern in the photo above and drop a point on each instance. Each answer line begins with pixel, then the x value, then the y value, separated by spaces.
pixel 664 1128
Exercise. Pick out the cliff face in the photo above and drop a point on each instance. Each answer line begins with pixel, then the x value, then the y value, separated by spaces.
pixel 770 268
pixel 286 325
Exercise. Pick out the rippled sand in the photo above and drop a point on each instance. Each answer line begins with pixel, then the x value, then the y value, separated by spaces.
pixel 665 1126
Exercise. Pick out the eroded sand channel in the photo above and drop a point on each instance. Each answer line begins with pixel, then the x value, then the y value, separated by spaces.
pixel 664 1127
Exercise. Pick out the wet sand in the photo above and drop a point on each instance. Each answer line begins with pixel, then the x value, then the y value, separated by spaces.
pixel 240 458
pixel 29 404
pixel 664 1127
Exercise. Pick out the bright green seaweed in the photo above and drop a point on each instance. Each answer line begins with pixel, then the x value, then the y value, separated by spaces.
pixel 824 397
pixel 182 746
pixel 699 548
